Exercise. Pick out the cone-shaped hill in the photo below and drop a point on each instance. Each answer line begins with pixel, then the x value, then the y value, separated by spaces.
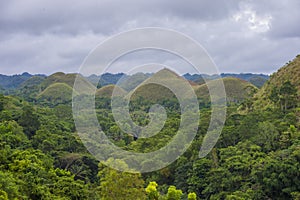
pixel 155 91
pixel 58 88
pixel 236 90
pixel 107 91
pixel 59 77
pixel 56 93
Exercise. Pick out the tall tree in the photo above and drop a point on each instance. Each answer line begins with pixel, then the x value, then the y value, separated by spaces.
pixel 29 121
pixel 120 185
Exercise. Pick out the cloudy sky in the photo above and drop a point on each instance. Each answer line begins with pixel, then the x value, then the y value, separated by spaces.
pixel 39 36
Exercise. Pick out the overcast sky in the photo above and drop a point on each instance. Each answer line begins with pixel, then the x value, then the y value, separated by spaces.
pixel 39 36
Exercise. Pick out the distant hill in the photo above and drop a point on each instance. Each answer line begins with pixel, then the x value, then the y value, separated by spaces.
pixel 127 82
pixel 59 77
pixel 196 78
pixel 155 92
pixel 15 81
pixel 256 79
pixel 30 88
pixel 130 82
pixel 56 93
pixel 42 88
pixel 105 79
pixel 236 89
pixel 48 89
pixel 107 91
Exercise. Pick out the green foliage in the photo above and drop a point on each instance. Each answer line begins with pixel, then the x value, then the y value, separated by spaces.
pixel 258 81
pixel 57 93
pixel 30 88
pixel 13 82
pixel 173 193
pixel 1 102
pixel 9 186
pixel 197 178
pixel 12 134
pixel 3 195
pixel 257 156
pixel 296 195
pixel 288 95
pixel 127 186
pixel 192 196
pixel 151 191
pixel 267 136
pixel 281 87
pixel 29 121
pixel 285 97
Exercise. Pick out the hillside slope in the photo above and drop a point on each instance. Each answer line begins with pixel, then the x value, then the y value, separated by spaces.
pixel 236 89
pixel 107 91
pixel 288 73
pixel 154 92
pixel 56 93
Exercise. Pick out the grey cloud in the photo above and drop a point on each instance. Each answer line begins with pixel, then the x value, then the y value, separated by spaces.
pixel 104 16
pixel 48 36
pixel 285 16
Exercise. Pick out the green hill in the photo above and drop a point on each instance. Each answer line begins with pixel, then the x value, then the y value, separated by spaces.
pixel 107 91
pixel 54 89
pixel 128 83
pixel 155 92
pixel 272 91
pixel 33 81
pixel 13 82
pixel 258 81
pixel 56 93
pixel 31 88
pixel 152 92
pixel 59 77
pixel 236 89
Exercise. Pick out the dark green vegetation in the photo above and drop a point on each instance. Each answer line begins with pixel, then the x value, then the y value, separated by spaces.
pixel 256 157
pixel 9 83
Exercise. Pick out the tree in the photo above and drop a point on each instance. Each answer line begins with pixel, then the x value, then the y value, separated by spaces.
pixel 287 96
pixel 192 196
pixel 9 186
pixel 267 136
pixel 151 191
pixel 11 134
pixel 1 102
pixel 173 193
pixel 197 179
pixel 29 121
pixel 3 195
pixel 120 185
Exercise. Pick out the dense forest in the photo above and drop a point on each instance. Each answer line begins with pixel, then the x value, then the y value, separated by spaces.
pixel 256 157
